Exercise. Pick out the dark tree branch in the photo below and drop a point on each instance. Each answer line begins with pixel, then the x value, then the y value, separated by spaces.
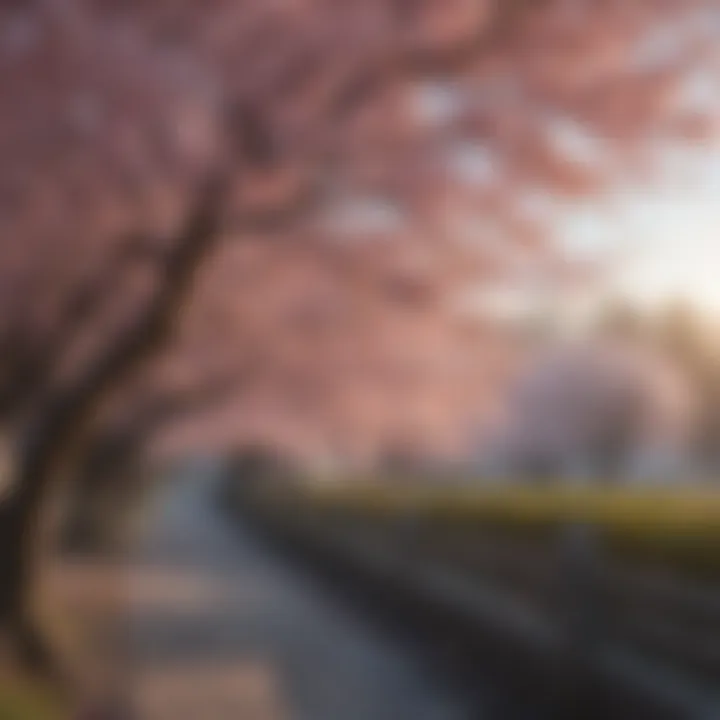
pixel 30 360
pixel 65 419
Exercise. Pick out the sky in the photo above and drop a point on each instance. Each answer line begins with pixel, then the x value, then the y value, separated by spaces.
pixel 661 242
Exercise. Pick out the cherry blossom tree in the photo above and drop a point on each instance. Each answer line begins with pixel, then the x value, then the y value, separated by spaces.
pixel 139 139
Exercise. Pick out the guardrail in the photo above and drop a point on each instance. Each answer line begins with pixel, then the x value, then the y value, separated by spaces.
pixel 614 593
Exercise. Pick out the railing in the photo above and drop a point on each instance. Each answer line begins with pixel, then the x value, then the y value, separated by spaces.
pixel 612 589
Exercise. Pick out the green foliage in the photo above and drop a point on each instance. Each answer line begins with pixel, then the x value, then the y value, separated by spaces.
pixel 24 701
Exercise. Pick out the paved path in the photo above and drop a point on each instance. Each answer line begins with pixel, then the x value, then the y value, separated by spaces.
pixel 219 629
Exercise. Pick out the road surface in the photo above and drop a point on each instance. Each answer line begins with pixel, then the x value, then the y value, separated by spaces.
pixel 218 628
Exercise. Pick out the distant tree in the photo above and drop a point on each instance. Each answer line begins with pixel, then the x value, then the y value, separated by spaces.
pixel 690 339
pixel 620 319
pixel 598 411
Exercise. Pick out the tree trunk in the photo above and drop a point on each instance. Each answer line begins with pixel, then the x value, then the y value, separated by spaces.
pixel 64 422
pixel 21 522
pixel 67 418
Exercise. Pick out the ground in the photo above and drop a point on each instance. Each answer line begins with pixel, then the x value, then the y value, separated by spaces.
pixel 207 624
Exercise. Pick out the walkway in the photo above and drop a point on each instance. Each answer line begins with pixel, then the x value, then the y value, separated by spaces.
pixel 217 628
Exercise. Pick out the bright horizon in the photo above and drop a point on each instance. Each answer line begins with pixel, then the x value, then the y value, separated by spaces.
pixel 663 243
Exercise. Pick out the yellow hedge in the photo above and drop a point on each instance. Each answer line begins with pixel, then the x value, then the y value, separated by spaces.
pixel 666 524
pixel 656 510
